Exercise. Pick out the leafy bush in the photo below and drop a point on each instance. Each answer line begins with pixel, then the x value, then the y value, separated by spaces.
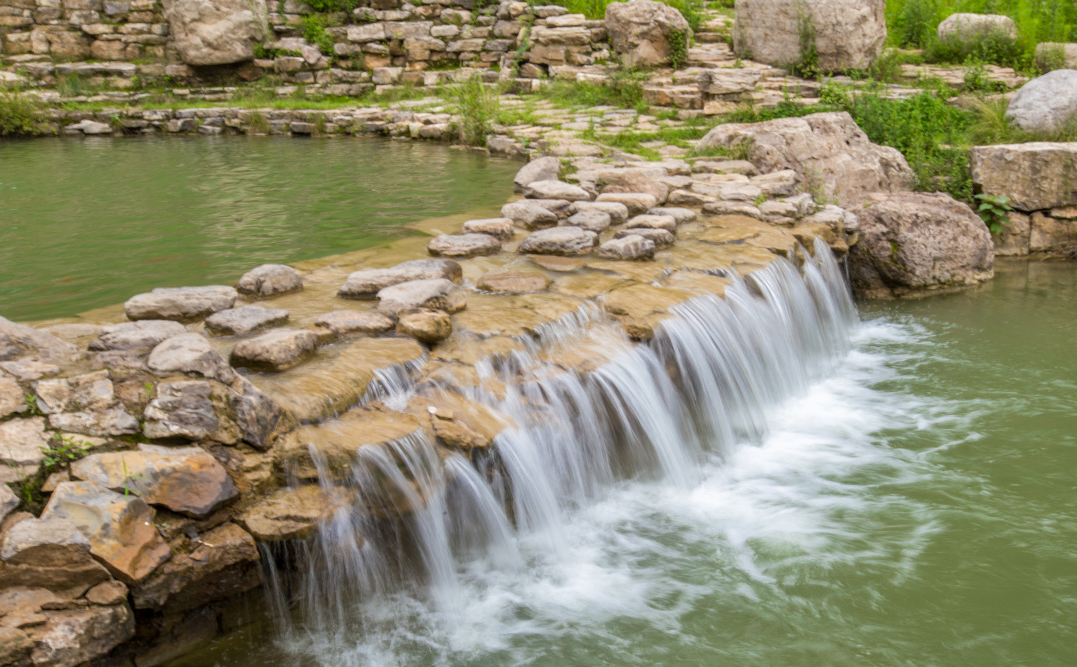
pixel 313 28
pixel 477 106
pixel 19 114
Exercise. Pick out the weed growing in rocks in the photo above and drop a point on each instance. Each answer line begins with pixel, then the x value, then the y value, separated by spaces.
pixel 623 89
pixel 678 48
pixel 19 114
pixel 477 106
pixel 995 211
pixel 991 127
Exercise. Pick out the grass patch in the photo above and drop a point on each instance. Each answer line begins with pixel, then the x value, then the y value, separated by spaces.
pixel 624 89
pixel 20 114
pixel 691 10
pixel 476 106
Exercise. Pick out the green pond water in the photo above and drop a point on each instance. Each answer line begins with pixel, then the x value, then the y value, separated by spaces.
pixel 89 223
pixel 916 507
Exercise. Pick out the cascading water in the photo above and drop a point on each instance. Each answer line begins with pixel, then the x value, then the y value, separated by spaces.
pixel 444 527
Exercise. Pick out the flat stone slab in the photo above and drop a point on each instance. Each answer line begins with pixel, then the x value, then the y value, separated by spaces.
pixel 661 238
pixel 551 189
pixel 275 351
pixel 464 245
pixel 592 220
pixel 183 304
pixel 368 282
pixel 270 280
pixel 437 294
pixel 244 320
pixel 635 202
pixel 136 337
pixel 566 241
pixel 666 222
pixel 502 229
pixel 187 480
pixel 343 322
pixel 513 282
pixel 681 215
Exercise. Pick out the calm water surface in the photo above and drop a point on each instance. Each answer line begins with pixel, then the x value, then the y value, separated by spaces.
pixel 90 223
pixel 915 508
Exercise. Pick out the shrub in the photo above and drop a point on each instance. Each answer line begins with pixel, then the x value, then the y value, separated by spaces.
pixel 20 114
pixel 477 106
pixel 313 28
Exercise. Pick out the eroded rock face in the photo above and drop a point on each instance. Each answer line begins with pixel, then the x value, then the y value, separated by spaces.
pixel 276 350
pixel 1045 104
pixel 539 169
pixel 631 246
pixel 136 337
pixel 972 27
pixel 120 528
pixel 368 282
pixel 425 326
pixel 567 241
pixel 182 304
pixel 187 480
pixel 223 563
pixel 244 320
pixel 189 353
pixel 1035 176
pixel 216 32
pixel 437 294
pixel 464 245
pixel 848 34
pixel 270 280
pixel 641 31
pixel 914 242
pixel 827 147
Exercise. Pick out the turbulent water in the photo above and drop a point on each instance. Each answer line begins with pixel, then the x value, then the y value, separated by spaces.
pixel 771 482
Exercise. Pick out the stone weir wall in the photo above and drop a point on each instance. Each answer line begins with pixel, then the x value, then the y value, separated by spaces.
pixel 145 455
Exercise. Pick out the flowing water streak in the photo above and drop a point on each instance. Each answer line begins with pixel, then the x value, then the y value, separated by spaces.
pixel 654 411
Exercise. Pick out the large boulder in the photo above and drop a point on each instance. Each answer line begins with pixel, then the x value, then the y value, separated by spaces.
pixel 826 147
pixel 1035 176
pixel 216 32
pixel 1045 104
pixel 916 242
pixel 187 480
pixel 631 246
pixel 847 34
pixel 119 527
pixel 968 28
pixel 76 636
pixel 640 31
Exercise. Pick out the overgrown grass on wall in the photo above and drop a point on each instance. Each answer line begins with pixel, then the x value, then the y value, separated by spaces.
pixel 596 9
pixel 914 23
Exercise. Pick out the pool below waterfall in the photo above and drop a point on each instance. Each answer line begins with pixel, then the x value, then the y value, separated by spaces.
pixel 911 502
pixel 90 223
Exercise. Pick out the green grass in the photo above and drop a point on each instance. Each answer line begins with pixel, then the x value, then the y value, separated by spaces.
pixel 632 142
pixel 477 106
pixel 20 114
pixel 624 89
pixel 596 9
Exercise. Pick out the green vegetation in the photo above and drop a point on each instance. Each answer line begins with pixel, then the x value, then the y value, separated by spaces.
pixel 633 142
pixel 313 28
pixel 995 211
pixel 596 9
pixel 624 89
pixel 678 48
pixel 63 454
pixel 19 114
pixel 477 106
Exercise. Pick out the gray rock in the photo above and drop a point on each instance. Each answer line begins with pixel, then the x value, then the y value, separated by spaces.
pixel 778 212
pixel 85 404
pixel 343 322
pixel 275 351
pixel 8 348
pixel 915 242
pixel 804 204
pixel 660 237
pixel 733 208
pixel 591 220
pixel 1035 176
pixel 464 245
pixel 969 28
pixel 666 222
pixel 45 345
pixel 187 480
pixel 725 167
pixel 183 304
pixel 539 169
pixel 1045 104
pixel 21 442
pixel 436 294
pixel 256 414
pixel 216 33
pixel 113 420
pixel 270 280
pixel 28 370
pixel 369 282
pixel 631 246
pixel 558 207
pixel 618 212
pixel 635 202
pixel 529 215
pixel 75 636
pixel 640 31
pixel 136 337
pixel 180 410
pixel 244 320
pixel 12 397
pixel 190 353
pixel 567 241
pixel 425 326
pixel 681 215
pixel 500 228
pixel 551 189
pixel 39 541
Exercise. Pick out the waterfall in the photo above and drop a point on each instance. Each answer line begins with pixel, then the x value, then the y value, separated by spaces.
pixel 416 517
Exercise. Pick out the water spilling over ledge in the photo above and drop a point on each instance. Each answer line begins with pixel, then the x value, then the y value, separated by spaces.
pixel 581 410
